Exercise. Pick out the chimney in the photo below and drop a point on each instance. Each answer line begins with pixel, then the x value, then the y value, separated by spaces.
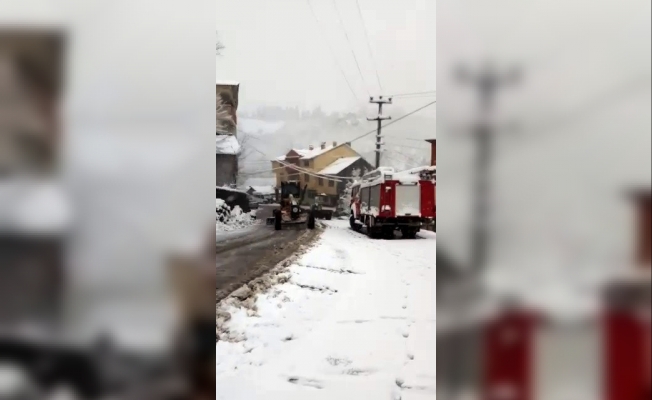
pixel 433 152
pixel 311 147
pixel 334 144
pixel 643 235
pixel 323 145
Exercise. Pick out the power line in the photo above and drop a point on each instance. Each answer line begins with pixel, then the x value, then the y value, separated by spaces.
pixel 414 93
pixel 330 48
pixel 318 175
pixel 366 35
pixel 395 121
pixel 339 17
pixel 415 96
pixel 404 138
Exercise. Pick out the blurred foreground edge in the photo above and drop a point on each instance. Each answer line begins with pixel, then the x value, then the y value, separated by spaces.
pixel 506 351
pixel 41 350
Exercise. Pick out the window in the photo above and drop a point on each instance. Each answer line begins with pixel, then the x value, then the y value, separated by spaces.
pixel 306 177
pixel 320 181
pixel 331 183
pixel 306 163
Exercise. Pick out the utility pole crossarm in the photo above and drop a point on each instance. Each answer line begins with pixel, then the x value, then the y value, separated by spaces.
pixel 379 119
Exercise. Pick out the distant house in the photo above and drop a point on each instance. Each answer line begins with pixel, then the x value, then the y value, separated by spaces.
pixel 262 192
pixel 319 169
pixel 227 146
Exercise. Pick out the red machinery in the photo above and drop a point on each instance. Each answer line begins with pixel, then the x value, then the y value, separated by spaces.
pixel 385 201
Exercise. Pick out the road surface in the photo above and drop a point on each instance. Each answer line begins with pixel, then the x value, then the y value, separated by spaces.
pixel 244 255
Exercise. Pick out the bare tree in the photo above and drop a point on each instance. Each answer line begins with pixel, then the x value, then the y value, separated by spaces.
pixel 250 154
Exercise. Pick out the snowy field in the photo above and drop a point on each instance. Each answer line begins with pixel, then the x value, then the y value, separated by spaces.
pixel 353 319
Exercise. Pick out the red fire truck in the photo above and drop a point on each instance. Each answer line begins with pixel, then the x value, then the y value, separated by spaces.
pixel 385 201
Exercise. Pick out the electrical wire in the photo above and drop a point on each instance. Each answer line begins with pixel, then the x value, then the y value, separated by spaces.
pixel 395 121
pixel 337 63
pixel 318 175
pixel 355 58
pixel 413 93
pixel 389 136
pixel 366 35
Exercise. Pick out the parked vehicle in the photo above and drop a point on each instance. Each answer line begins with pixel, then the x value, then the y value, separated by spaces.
pixel 290 213
pixel 254 202
pixel 319 210
pixel 233 197
pixel 385 201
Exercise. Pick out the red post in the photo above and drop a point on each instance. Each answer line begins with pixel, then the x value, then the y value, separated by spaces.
pixel 508 357
pixel 427 199
pixel 626 356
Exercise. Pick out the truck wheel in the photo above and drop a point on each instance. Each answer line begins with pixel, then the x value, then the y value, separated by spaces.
pixel 409 233
pixel 277 220
pixel 311 220
pixel 354 226
pixel 373 233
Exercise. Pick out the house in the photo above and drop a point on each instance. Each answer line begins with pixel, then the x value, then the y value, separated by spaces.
pixel 228 94
pixel 227 146
pixel 433 151
pixel 262 192
pixel 32 65
pixel 319 169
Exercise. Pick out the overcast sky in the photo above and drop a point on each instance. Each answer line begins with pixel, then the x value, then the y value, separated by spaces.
pixel 280 55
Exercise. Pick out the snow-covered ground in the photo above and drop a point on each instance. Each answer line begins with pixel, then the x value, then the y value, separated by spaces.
pixel 354 319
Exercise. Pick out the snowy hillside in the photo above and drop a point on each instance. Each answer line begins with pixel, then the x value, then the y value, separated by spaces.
pixel 273 131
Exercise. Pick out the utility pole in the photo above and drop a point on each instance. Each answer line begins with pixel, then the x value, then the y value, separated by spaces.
pixel 380 101
pixel 486 81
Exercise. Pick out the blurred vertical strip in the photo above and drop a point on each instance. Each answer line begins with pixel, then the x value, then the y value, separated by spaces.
pixel 33 226
pixel 107 281
pixel 532 223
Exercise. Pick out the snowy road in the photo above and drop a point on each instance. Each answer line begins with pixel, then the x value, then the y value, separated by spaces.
pixel 249 255
pixel 356 320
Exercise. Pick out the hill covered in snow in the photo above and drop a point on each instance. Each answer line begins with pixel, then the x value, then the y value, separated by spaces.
pixel 268 132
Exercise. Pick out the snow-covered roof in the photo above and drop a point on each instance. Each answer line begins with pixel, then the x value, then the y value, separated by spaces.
pixel 307 154
pixel 224 82
pixel 338 165
pixel 230 189
pixel 259 126
pixel 226 144
pixel 418 170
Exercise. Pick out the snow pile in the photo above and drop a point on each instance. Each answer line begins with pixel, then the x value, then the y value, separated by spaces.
pixel 227 219
pixel 227 144
pixel 352 318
